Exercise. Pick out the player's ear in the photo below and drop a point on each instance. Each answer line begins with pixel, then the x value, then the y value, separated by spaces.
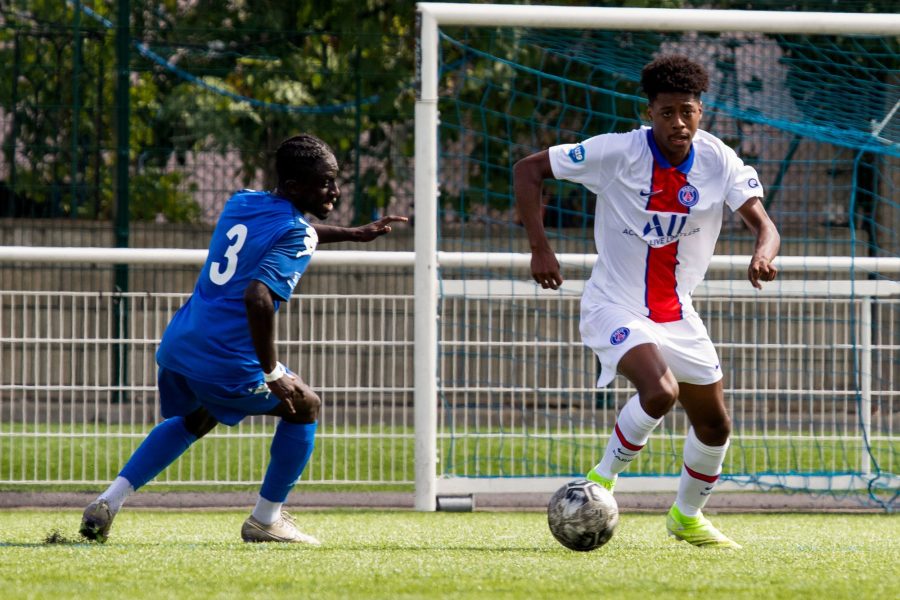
pixel 292 187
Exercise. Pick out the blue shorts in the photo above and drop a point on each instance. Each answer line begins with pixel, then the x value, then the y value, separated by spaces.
pixel 179 396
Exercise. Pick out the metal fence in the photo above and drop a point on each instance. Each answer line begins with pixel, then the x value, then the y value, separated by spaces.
pixel 75 399
pixel 811 380
pixel 119 115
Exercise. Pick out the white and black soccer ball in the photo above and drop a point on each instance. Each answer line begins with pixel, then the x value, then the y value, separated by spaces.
pixel 582 515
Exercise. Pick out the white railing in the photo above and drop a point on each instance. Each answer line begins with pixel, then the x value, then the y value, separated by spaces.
pixel 347 258
pixel 804 373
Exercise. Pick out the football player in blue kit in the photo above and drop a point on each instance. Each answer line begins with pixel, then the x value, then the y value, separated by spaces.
pixel 217 358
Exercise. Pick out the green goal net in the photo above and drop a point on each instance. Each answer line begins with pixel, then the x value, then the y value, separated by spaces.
pixel 812 363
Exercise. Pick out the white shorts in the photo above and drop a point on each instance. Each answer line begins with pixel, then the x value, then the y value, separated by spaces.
pixel 611 330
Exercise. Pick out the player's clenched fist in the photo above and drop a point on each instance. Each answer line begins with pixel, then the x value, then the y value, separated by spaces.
pixel 761 269
pixel 545 270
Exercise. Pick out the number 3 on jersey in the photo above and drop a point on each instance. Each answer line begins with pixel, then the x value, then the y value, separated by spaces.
pixel 237 235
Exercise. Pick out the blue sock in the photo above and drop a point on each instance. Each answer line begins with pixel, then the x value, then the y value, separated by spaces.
pixel 291 448
pixel 165 443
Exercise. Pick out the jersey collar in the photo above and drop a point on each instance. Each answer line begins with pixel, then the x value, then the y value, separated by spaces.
pixel 684 167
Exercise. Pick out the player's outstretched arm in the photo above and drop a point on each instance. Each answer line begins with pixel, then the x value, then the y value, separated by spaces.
pixel 528 178
pixel 364 233
pixel 768 242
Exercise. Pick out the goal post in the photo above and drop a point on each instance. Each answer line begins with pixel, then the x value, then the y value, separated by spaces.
pixel 431 312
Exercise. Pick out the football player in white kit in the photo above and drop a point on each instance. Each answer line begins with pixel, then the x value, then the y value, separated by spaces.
pixel 660 196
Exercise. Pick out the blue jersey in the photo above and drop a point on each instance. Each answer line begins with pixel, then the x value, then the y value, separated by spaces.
pixel 260 237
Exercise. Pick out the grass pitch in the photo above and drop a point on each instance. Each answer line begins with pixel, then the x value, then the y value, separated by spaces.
pixel 87 453
pixel 371 554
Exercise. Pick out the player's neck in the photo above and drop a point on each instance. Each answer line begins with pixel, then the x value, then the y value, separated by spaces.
pixel 279 193
pixel 678 158
pixel 675 157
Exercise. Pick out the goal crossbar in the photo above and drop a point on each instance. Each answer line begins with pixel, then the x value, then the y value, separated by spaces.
pixel 660 19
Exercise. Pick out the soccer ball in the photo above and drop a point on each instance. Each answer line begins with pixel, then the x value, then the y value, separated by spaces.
pixel 582 515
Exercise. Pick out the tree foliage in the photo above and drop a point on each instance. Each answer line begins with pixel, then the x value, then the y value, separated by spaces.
pixel 339 69
pixel 58 100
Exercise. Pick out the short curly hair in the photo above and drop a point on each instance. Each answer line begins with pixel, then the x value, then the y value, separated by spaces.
pixel 298 156
pixel 673 73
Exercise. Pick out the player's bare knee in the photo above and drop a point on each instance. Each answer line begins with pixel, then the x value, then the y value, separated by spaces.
pixel 314 404
pixel 720 428
pixel 715 431
pixel 313 407
pixel 658 400
pixel 307 410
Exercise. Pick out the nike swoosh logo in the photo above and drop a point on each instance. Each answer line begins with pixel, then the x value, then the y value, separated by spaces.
pixel 654 192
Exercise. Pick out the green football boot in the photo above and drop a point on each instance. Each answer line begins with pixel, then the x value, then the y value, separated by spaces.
pixel 697 531
pixel 609 484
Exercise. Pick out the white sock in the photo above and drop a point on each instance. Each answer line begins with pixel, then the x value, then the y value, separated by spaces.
pixel 702 466
pixel 116 493
pixel 267 512
pixel 632 430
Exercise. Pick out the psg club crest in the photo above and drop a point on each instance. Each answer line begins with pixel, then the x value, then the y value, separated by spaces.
pixel 688 195
pixel 577 153
pixel 619 335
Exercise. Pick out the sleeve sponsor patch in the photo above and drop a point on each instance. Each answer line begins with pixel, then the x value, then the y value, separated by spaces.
pixel 577 154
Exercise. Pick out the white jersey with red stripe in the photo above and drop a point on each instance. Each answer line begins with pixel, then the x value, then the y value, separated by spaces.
pixel 656 225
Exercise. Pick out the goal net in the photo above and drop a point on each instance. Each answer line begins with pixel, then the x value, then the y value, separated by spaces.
pixel 811 363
